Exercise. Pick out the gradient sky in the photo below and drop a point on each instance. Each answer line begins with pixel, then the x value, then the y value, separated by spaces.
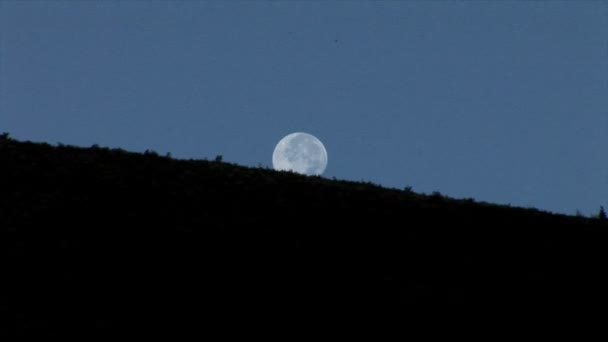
pixel 501 101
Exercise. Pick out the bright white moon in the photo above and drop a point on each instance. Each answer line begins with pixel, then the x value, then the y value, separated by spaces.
pixel 300 152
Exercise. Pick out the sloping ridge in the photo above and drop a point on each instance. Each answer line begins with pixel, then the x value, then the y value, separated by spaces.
pixel 99 241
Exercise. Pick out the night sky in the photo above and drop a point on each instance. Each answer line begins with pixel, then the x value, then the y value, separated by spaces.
pixel 501 101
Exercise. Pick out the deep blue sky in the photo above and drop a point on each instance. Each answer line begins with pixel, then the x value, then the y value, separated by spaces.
pixel 500 101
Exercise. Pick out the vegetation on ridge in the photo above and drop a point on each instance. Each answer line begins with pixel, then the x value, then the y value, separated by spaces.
pixel 100 241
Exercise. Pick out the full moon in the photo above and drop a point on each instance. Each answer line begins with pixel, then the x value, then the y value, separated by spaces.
pixel 300 152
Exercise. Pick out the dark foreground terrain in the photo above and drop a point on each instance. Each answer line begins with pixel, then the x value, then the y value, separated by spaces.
pixel 99 242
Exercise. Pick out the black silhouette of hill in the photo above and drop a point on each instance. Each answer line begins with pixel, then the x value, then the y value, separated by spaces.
pixel 101 242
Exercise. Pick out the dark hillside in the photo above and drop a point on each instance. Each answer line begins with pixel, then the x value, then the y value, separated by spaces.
pixel 105 242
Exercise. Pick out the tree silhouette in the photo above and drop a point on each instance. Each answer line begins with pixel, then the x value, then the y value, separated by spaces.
pixel 602 214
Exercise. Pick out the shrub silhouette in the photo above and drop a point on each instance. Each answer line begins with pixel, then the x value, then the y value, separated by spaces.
pixel 151 153
pixel 602 214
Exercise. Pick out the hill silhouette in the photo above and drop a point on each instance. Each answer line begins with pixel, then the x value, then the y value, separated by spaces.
pixel 99 242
